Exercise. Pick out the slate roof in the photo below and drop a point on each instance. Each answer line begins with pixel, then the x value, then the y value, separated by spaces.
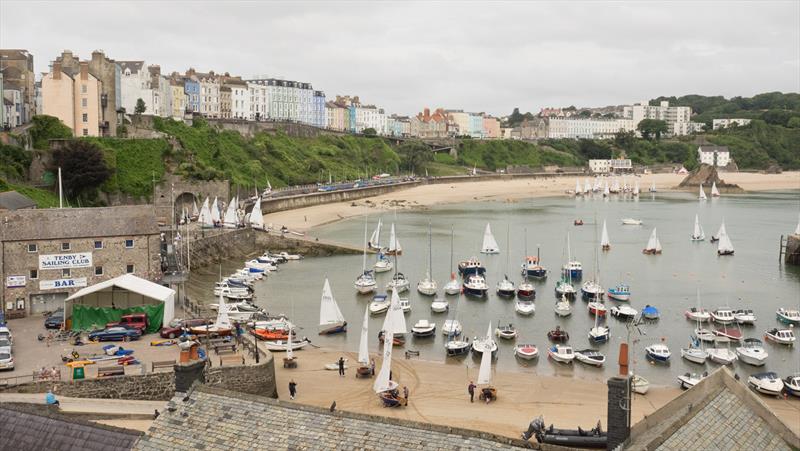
pixel 26 427
pixel 57 223
pixel 220 419
pixel 712 148
pixel 134 66
pixel 12 200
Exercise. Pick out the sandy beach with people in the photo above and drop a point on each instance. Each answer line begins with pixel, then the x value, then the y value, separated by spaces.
pixel 511 190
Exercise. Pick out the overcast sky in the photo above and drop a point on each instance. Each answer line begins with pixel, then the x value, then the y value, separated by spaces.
pixel 478 56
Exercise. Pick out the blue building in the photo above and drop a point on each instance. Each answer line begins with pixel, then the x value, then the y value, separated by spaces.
pixel 192 89
pixel 318 113
pixel 475 125
pixel 352 112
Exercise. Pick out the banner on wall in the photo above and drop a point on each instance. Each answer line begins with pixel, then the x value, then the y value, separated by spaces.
pixel 77 282
pixel 60 261
pixel 15 281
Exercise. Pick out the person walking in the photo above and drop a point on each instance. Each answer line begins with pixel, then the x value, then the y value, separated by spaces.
pixel 292 388
pixel 405 392
pixel 372 366
pixel 341 366
pixel 50 399
pixel 471 389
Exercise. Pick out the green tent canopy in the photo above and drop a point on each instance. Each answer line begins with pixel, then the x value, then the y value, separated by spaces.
pixel 91 318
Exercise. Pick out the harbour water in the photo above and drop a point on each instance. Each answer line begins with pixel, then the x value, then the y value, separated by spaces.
pixel 753 278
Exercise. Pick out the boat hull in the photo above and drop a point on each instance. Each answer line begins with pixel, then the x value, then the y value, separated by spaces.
pixel 475 292
pixel 334 329
pixel 457 348
pixel 619 296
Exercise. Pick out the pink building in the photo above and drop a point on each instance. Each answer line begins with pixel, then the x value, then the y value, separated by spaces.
pixel 491 127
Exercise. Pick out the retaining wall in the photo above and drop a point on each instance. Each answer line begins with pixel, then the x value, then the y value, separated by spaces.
pixel 309 200
pixel 211 246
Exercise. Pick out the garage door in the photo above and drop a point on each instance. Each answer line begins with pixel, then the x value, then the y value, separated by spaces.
pixel 47 302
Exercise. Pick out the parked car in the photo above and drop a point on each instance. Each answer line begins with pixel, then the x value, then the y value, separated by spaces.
pixel 175 329
pixel 5 333
pixel 115 333
pixel 5 345
pixel 55 320
pixel 132 321
pixel 6 361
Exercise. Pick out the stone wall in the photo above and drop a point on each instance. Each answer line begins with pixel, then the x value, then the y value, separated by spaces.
pixel 293 245
pixel 309 200
pixel 792 255
pixel 153 386
pixel 185 191
pixel 248 129
pixel 211 246
pixel 252 379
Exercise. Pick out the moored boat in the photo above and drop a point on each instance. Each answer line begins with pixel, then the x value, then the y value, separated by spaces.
pixel 658 352
pixel 526 351
pixel 380 304
pixel 624 312
pixel 639 384
pixel 423 328
pixel 451 327
pixel 782 336
pixel 382 264
pixel 558 335
pixel 651 313
pixel 574 268
pixel 562 307
pixel 484 344
pixel 590 357
pixel 506 332
pixel 697 314
pixel 561 353
pixel 524 307
pixel 568 438
pixel 653 244
pixel 792 384
pixel 752 352
pixel 695 352
pixel 475 285
pixel 452 287
pixel 526 290
pixel 745 316
pixel 631 221
pixel 591 290
pixel 506 287
pixel 729 334
pixel 788 316
pixel 439 305
pixel 428 286
pixel 706 335
pixel 399 283
pixel 689 380
pixel 724 356
pixel 767 383
pixel 597 308
pixel 331 320
pixel 470 266
pixel 723 316
pixel 533 268
pixel 621 292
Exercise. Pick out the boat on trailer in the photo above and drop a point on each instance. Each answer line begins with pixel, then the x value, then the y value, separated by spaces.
pixel 767 383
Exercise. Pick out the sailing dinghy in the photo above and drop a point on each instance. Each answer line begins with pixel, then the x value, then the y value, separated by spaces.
pixel 331 320
pixel 653 244
pixel 490 245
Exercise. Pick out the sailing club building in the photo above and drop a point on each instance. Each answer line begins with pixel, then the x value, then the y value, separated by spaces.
pixel 48 254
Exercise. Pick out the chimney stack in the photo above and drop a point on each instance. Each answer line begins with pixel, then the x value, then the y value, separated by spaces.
pixel 619 402
pixel 56 70
pixel 84 70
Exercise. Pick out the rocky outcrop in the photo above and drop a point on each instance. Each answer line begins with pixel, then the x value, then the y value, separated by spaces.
pixel 707 175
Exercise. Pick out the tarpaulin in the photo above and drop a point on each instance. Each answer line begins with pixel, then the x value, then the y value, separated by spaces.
pixel 92 318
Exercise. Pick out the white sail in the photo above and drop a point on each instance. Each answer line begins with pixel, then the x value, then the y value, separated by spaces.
pixel 797 229
pixel 215 217
pixel 604 242
pixel 577 187
pixel 205 219
pixel 653 187
pixel 485 373
pixel 394 243
pixel 721 229
pixel 636 188
pixel 702 193
pixel 587 186
pixel 256 218
pixel 395 321
pixel 615 187
pixel 606 191
pixel 329 312
pixel 375 239
pixel 653 243
pixel 490 245
pixel 363 346
pixel 725 245
pixel 658 245
pixel 698 229
pixel 382 382
pixel 195 212
pixel 222 322
pixel 230 221
pixel 714 190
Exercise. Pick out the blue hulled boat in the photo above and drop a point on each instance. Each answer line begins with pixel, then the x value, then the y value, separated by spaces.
pixel 471 266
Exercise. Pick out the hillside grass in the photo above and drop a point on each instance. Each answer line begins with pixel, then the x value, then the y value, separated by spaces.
pixel 42 197
pixel 136 163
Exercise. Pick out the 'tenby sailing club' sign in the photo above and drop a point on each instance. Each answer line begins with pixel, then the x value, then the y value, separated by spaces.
pixel 60 261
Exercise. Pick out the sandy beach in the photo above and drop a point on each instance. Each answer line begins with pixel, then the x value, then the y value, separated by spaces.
pixel 304 219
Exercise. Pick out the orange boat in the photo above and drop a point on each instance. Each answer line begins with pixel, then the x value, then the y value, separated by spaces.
pixel 264 334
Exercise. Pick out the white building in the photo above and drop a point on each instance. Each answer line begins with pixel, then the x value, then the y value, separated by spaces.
pixel 717 124
pixel 588 128
pixel 240 99
pixel 710 155
pixel 289 100
pixel 370 116
pixel 134 84
pixel 613 165
pixel 259 101
pixel 12 108
pixel 676 117
pixel 161 92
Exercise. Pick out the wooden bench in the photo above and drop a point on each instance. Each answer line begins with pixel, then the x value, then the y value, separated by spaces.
pixel 110 371
pixel 225 347
pixel 170 364
pixel 231 360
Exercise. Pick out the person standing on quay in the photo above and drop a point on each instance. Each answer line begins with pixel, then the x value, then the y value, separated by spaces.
pixel 471 389
pixel 292 388
pixel 341 366
pixel 405 392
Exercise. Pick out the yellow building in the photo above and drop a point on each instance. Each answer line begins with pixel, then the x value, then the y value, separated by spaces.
pixel 178 99
pixel 74 98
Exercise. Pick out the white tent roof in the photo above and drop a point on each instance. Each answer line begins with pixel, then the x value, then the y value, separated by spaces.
pixel 131 283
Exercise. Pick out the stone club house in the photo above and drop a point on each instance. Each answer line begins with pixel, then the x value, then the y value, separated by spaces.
pixel 48 254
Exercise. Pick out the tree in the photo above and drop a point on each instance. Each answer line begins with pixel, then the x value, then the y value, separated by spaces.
pixel 585 113
pixel 370 132
pixel 414 154
pixel 45 128
pixel 140 107
pixel 794 122
pixel 83 167
pixel 624 140
pixel 652 128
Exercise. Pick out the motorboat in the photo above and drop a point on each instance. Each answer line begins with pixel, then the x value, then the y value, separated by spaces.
pixel 724 356
pixel 744 316
pixel 706 335
pixel 451 327
pixel 506 287
pixel 365 283
pixel 650 312
pixel 526 290
pixel 752 352
pixel 658 352
pixel 782 336
pixel 439 305
pixel 767 383
pixel 591 290
pixel 561 353
pixel 723 316
pixel 405 305
pixel 526 351
pixel 631 221
pixel 423 328
pixel 567 438
pixel 697 314
pixel 597 308
pixel 730 334
pixel 242 306
pixel 599 334
pixel 524 307
pixel 475 285
pixel 562 307
pixel 624 312
pixel 457 346
pixel 532 268
pixel 787 316
pixel 257 265
pixel 689 380
pixel 574 268
pixel 639 384
pixel 507 332
pixel 558 335
pixel 239 312
pixel 565 288
pixel 380 304
pixel 590 357
pixel 484 344
pixel 792 384
pixel 228 289
pixel 398 283
pixel 621 292
pixel 383 264
pixel 289 256
pixel 471 266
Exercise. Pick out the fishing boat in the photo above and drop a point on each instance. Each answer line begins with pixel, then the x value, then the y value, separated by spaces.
pixel 792 383
pixel 561 353
pixel 526 351
pixel 591 357
pixel 375 239
pixel 724 245
pixel 639 384
pixel 394 244
pixel 698 314
pixel 506 332
pixel 621 292
pixel 385 388
pixel 487 344
pixel 723 316
pixel 475 285
pixel 752 352
pixel 423 328
pixel 532 268
pixel 624 312
pixel 382 264
pixel 428 286
pixel 489 245
pixel 562 307
pixel 702 193
pixel 506 287
pixel 365 282
pixel 689 380
pixel 331 320
pixel 650 312
pixel 605 244
pixel 598 333
pixel 558 335
pixel 471 266
pixel 574 268
pixel 724 356
pixel 782 336
pixel 380 304
pixel 487 391
pixel 653 244
pixel 631 221
pixel 768 383
pixel 787 316
pixel 694 352
pixel 524 307
pixel 698 234
pixel 451 327
pixel 658 352
pixel 714 190
pixel 745 316
pixel 439 305
pixel 256 219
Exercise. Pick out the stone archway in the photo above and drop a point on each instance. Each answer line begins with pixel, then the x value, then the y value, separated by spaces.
pixel 186 200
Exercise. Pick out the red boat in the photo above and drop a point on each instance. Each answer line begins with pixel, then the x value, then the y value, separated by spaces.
pixel 597 308
pixel 397 340
pixel 733 334
pixel 264 334
pixel 558 335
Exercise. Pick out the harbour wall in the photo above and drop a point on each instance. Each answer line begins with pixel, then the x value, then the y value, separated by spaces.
pixel 329 197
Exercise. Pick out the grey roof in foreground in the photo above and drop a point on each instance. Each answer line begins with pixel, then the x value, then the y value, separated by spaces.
pixel 57 223
pixel 28 427
pixel 220 419
pixel 12 200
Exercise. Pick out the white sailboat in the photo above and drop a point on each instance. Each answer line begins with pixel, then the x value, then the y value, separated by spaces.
pixel 636 188
pixel 587 187
pixel 427 286
pixel 490 245
pixel 331 320
pixel 698 234
pixel 653 244
pixel 605 244
pixel 606 191
pixel 363 345
pixel 702 193
pixel 365 282
pixel 615 186
pixel 205 216
pixel 578 191
pixel 797 229
pixel 695 352
pixel 256 218
pixel 394 244
pixel 222 325
pixel 563 308
pixel 375 238
pixel 506 287
pixel 382 383
pixel 215 216
pixel 195 211
pixel 724 246
pixel 714 190
pixel 230 221
pixel 653 187
pixel 485 371
pixel 452 287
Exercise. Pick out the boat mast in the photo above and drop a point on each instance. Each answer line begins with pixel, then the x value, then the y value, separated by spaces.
pixel 364 260
pixel 430 252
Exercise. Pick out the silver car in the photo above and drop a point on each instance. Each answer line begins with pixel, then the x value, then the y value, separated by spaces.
pixel 6 361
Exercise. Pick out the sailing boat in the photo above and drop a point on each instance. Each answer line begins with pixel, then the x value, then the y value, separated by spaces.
pixel 604 242
pixel 490 245
pixel 525 290
pixel 195 211
pixel 725 246
pixel 267 191
pixel 488 392
pixel 695 352
pixel 587 187
pixel 702 193
pixel 230 221
pixel 797 229
pixel 653 244
pixel 384 386
pixel 598 333
pixel 591 289
pixel 363 345
pixel 222 326
pixel 698 234
pixel 256 218
pixel 653 187
pixel 375 239
pixel 506 287
pixel 399 283
pixel 714 190
pixel 564 286
pixel 454 345
pixel 636 188
pixel 331 320
pixel 452 287
pixel 365 282
pixel 606 191
pixel 562 307
pixel 578 191
pixel 205 216
pixel 427 286
pixel 394 244
pixel 215 217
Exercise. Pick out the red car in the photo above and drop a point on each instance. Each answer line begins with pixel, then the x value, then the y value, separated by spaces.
pixel 175 329
pixel 136 321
